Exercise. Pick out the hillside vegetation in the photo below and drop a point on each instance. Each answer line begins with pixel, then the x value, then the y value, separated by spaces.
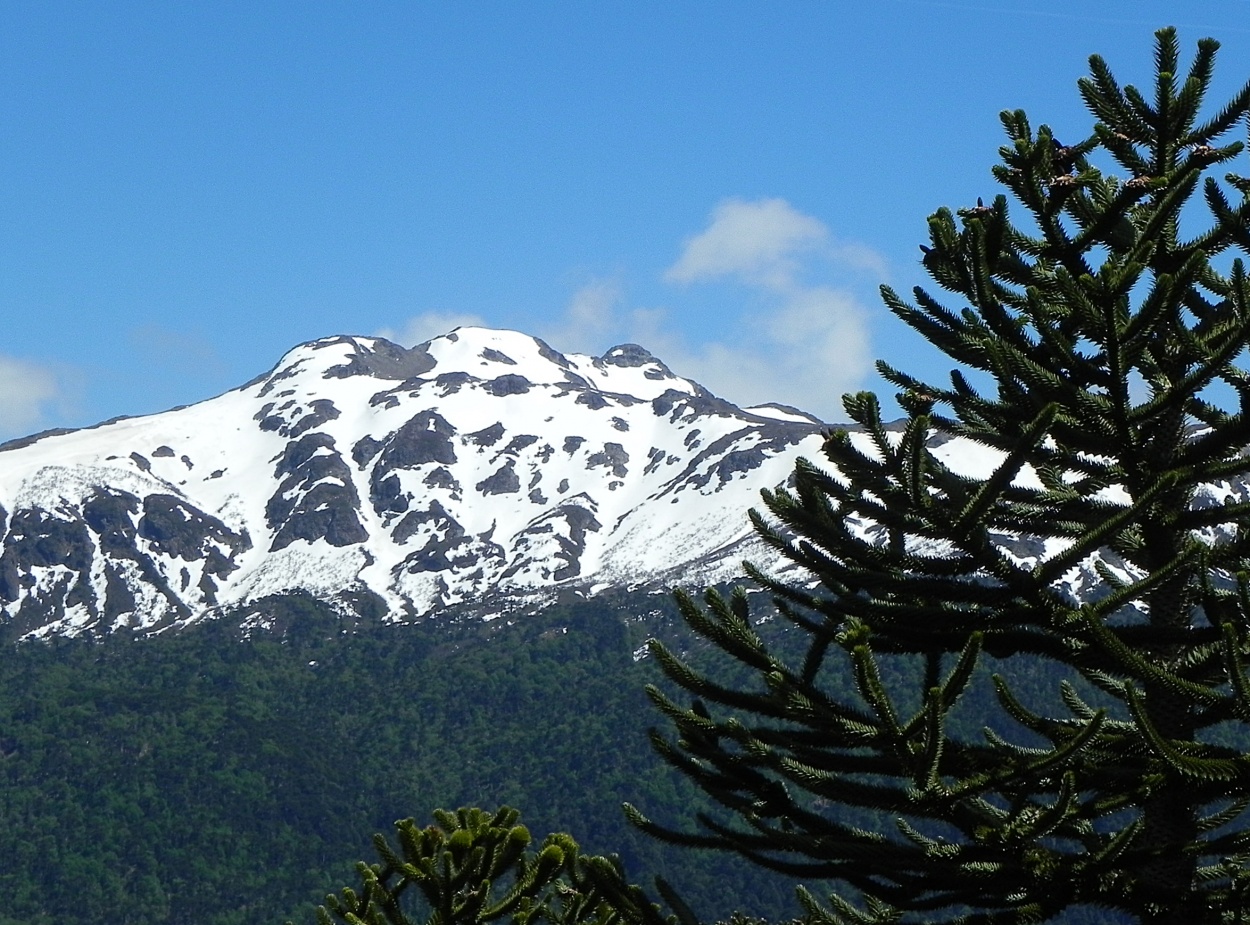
pixel 217 780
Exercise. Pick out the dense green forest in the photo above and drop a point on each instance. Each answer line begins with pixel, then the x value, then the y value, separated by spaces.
pixel 216 778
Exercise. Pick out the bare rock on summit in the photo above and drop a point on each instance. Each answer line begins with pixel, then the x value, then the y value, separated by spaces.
pixel 381 359
pixel 630 356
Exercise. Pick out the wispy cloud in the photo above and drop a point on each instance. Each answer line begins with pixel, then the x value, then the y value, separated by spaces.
pixel 790 340
pixel 805 350
pixel 188 352
pixel 595 319
pixel 591 314
pixel 797 342
pixel 29 390
pixel 420 328
pixel 793 337
pixel 759 243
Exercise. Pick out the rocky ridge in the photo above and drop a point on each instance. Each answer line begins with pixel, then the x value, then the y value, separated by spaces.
pixel 480 469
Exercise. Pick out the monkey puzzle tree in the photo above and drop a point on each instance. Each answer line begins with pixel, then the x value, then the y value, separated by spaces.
pixel 1102 548
pixel 471 867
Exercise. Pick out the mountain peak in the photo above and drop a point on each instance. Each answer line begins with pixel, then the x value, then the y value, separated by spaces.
pixel 345 355
pixel 628 355
pixel 480 354
pixel 480 465
pixel 472 350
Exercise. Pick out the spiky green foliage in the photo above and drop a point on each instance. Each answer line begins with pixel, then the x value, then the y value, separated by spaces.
pixel 1101 552
pixel 473 868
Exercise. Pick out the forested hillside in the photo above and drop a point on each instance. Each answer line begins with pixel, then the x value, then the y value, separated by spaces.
pixel 211 779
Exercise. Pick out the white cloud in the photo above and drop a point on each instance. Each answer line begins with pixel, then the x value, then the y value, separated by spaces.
pixel 796 343
pixel 191 353
pixel 804 347
pixel 806 351
pixel 420 328
pixel 859 257
pixel 27 389
pixel 594 316
pixel 789 341
pixel 757 242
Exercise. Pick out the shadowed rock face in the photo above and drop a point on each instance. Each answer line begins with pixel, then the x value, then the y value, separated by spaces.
pixel 439 551
pixel 37 539
pixel 631 356
pixel 496 356
pixel 387 495
pixel 592 400
pixel 132 536
pixel 503 482
pixel 110 515
pixel 508 385
pixel 613 457
pixel 298 420
pixel 382 360
pixel 424 439
pixel 175 528
pixel 365 449
pixel 518 444
pixel 441 478
pixel 316 498
pixel 447 545
pixel 556 541
pixel 487 436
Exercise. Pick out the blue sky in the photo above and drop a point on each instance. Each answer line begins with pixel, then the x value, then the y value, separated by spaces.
pixel 188 190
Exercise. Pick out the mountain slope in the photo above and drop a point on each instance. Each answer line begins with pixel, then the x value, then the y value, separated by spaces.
pixel 482 468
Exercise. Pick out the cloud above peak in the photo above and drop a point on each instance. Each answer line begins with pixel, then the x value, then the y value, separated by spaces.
pixel 28 390
pixel 755 242
pixel 798 336
pixel 798 342
pixel 805 350
pixel 428 325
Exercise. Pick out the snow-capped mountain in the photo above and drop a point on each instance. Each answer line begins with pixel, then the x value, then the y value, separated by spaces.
pixel 481 468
